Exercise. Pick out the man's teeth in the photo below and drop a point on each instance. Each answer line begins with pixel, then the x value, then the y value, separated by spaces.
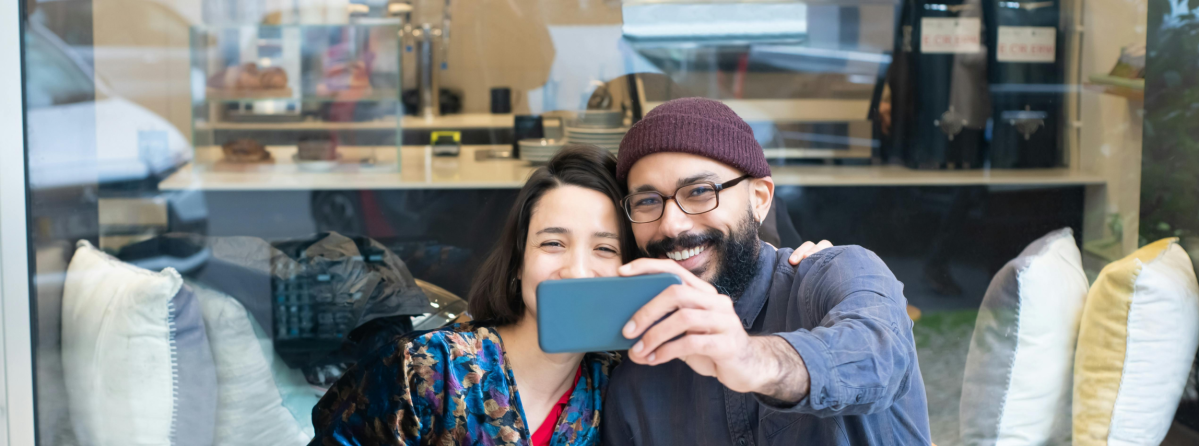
pixel 685 254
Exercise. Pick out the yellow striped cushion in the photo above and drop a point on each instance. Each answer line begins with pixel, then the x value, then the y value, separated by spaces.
pixel 1139 333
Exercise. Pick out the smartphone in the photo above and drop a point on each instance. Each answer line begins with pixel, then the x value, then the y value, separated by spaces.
pixel 586 315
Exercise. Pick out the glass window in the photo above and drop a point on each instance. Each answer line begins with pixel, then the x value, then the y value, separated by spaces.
pixel 232 203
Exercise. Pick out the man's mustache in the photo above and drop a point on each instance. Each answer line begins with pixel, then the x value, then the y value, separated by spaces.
pixel 659 248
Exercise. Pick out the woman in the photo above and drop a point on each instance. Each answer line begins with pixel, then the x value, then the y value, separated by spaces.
pixel 488 382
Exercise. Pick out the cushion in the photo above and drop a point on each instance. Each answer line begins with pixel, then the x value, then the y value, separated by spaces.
pixel 1019 371
pixel 1139 332
pixel 251 409
pixel 136 358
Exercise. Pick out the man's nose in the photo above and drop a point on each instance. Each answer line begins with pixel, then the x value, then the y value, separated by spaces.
pixel 674 221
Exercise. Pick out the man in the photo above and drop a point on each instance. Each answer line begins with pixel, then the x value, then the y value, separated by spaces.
pixel 750 350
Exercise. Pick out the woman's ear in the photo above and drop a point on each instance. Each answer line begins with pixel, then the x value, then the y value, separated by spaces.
pixel 761 197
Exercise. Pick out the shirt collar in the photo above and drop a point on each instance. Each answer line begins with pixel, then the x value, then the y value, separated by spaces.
pixel 754 297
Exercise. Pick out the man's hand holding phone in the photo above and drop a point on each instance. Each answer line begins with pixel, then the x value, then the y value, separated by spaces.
pixel 710 337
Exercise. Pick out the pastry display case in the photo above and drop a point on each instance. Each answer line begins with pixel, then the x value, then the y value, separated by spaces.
pixel 334 88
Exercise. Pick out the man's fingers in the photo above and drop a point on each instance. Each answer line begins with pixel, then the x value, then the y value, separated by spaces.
pixel 821 246
pixel 686 321
pixel 690 347
pixel 657 266
pixel 801 252
pixel 806 250
pixel 671 299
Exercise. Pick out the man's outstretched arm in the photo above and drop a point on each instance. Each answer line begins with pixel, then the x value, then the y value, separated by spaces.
pixel 859 358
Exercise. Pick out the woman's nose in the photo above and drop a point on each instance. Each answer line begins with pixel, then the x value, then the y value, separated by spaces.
pixel 577 267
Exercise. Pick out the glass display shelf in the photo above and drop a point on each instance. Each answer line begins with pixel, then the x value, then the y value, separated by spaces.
pixel 323 78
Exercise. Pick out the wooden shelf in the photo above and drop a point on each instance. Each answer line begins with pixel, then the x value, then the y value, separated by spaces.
pixel 419 169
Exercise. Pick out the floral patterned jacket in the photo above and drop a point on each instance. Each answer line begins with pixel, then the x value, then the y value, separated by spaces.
pixel 452 386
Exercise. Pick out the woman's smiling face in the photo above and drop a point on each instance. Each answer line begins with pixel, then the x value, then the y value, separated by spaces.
pixel 574 232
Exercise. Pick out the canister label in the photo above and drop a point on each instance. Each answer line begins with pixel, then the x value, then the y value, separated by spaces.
pixel 950 35
pixel 1035 44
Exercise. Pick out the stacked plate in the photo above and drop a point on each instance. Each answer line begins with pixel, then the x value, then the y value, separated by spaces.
pixel 608 138
pixel 539 150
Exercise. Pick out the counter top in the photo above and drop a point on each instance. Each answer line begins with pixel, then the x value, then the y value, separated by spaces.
pixel 420 169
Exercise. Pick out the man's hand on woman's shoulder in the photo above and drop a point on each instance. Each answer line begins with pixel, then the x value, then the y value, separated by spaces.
pixel 807 249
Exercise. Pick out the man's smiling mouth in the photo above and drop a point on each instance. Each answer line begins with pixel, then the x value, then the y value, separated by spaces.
pixel 685 254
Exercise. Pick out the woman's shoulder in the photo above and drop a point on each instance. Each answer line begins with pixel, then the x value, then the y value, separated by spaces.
pixel 457 340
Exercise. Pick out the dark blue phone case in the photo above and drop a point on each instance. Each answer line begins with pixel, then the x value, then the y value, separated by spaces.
pixel 586 315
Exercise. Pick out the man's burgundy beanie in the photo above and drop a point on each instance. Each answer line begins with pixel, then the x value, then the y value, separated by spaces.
pixel 697 126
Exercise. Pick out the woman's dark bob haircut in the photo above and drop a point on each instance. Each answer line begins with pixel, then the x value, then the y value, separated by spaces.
pixel 495 296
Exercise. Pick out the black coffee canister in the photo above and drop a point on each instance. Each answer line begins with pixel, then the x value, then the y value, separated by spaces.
pixel 941 103
pixel 1026 77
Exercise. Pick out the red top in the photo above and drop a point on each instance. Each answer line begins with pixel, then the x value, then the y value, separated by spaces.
pixel 546 431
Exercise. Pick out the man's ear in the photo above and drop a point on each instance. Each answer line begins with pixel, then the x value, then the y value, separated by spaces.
pixel 761 196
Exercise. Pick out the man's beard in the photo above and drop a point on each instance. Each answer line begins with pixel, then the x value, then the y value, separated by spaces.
pixel 735 259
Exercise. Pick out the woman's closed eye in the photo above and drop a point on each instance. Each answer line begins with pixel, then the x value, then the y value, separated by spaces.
pixel 552 245
pixel 606 250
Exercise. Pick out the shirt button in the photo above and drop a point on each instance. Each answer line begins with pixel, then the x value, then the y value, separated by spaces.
pixel 741 441
pixel 859 398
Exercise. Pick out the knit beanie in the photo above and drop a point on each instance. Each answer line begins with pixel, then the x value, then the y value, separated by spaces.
pixel 697 126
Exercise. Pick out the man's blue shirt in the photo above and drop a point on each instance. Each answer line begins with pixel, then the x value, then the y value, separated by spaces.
pixel 845 314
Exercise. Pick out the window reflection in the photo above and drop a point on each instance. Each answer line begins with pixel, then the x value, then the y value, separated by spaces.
pixel 293 161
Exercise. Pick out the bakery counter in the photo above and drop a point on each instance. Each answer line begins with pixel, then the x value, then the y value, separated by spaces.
pixel 360 168
pixel 375 168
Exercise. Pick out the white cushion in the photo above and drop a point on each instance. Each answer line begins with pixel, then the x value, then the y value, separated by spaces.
pixel 136 360
pixel 1019 371
pixel 250 406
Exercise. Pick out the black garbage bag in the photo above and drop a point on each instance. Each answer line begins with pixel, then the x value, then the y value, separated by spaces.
pixel 337 293
pixel 324 300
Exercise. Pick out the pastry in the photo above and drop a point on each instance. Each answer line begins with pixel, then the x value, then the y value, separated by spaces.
pixel 245 151
pixel 248 77
pixel 316 150
pixel 273 78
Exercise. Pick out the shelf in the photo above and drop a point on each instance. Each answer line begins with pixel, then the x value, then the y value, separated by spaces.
pixel 903 176
pixel 1133 89
pixel 462 121
pixel 419 169
pixel 795 110
pixel 298 125
pixel 286 94
pixel 1115 90
pixel 222 95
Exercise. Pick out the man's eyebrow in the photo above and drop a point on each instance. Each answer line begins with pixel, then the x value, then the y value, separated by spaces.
pixel 702 176
pixel 604 234
pixel 644 188
pixel 553 230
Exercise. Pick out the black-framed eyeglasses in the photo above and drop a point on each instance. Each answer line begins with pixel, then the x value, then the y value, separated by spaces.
pixel 694 198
